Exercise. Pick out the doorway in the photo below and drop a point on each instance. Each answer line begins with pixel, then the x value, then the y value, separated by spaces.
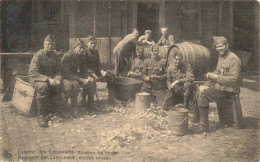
pixel 148 18
pixel 243 26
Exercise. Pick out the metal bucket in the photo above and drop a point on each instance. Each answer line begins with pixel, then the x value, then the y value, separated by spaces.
pixel 178 121
pixel 142 101
pixel 126 88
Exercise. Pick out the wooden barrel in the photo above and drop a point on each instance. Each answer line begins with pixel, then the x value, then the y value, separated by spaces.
pixel 196 55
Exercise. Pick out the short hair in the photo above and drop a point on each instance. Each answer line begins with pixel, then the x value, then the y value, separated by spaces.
pixel 148 31
pixel 164 28
pixel 135 30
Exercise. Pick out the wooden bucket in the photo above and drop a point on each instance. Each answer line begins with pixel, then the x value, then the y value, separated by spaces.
pixel 142 101
pixel 196 55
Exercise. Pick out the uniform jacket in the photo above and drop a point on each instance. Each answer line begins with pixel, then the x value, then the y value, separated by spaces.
pixel 127 44
pixel 73 66
pixel 93 61
pixel 229 73
pixel 163 41
pixel 44 66
pixel 137 65
pixel 183 73
pixel 155 67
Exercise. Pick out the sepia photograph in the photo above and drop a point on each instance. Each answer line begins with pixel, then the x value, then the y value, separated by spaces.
pixel 129 80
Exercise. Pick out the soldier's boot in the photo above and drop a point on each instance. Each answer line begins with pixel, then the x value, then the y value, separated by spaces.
pixel 111 96
pixel 90 103
pixel 74 105
pixel 41 106
pixel 82 98
pixel 186 102
pixel 204 120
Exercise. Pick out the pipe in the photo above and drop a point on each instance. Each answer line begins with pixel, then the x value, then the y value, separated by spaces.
pixel 109 32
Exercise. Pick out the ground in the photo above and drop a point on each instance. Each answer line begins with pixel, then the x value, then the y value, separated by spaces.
pixel 116 133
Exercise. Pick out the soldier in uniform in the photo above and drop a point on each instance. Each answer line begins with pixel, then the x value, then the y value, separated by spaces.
pixel 45 77
pixel 124 53
pixel 138 64
pixel 179 79
pixel 164 40
pixel 75 75
pixel 146 38
pixel 154 75
pixel 94 68
pixel 224 82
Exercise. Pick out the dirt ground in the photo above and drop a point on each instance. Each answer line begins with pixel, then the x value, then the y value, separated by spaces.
pixel 116 133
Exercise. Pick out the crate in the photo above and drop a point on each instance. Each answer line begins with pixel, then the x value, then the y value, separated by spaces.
pixel 24 97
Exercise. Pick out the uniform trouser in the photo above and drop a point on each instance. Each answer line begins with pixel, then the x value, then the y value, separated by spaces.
pixel 204 97
pixel 176 96
pixel 48 98
pixel 90 91
pixel 122 64
pixel 71 89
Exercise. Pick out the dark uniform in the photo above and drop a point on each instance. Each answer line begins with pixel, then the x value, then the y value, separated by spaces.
pixel 227 84
pixel 45 65
pixel 182 91
pixel 137 68
pixel 93 61
pixel 123 53
pixel 74 70
pixel 156 85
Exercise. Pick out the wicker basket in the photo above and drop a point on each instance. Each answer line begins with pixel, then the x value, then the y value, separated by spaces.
pixel 24 97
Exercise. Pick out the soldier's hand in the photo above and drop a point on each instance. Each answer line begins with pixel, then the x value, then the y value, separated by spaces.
pixel 57 82
pixel 90 79
pixel 51 81
pixel 212 76
pixel 103 72
pixel 173 84
pixel 84 81
pixel 147 78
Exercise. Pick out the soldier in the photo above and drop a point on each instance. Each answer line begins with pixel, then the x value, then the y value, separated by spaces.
pixel 124 53
pixel 45 77
pixel 94 68
pixel 75 75
pixel 138 64
pixel 146 38
pixel 164 40
pixel 224 82
pixel 154 75
pixel 179 78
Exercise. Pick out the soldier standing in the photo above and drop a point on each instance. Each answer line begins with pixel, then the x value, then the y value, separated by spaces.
pixel 179 78
pixel 224 82
pixel 154 75
pixel 124 53
pixel 45 77
pixel 75 74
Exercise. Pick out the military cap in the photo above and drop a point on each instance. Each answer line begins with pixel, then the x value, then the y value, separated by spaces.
pixel 218 40
pixel 78 42
pixel 49 38
pixel 148 31
pixel 90 38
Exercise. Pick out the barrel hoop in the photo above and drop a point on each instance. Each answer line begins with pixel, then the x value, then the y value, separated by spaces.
pixel 184 52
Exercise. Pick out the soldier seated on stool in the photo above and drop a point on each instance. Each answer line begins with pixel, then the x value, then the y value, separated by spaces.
pixel 138 64
pixel 94 68
pixel 179 82
pixel 154 75
pixel 224 82
pixel 75 74
pixel 45 77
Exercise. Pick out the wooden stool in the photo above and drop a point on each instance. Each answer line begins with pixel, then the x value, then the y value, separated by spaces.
pixel 230 113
